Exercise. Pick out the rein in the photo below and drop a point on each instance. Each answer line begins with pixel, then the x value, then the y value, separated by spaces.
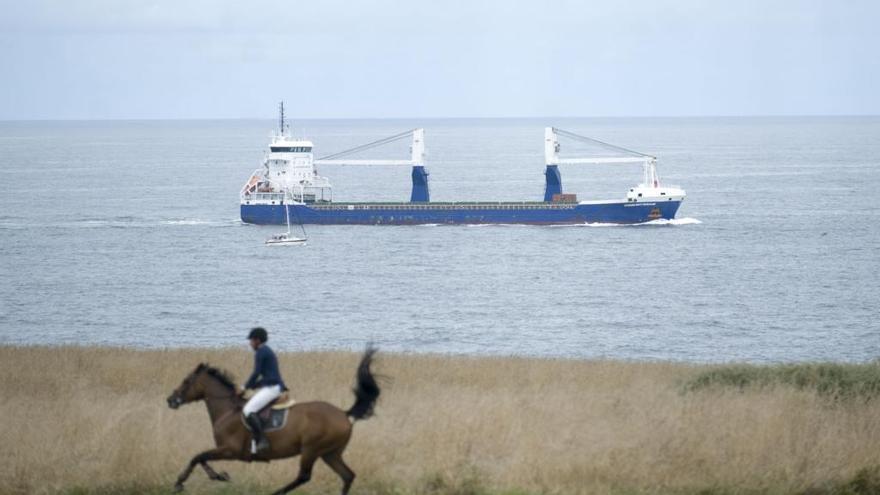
pixel 231 394
pixel 234 410
pixel 225 415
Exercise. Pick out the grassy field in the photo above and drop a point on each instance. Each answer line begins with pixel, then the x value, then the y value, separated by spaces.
pixel 94 421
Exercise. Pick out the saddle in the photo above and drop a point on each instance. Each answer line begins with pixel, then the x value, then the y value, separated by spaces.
pixel 274 415
pixel 284 401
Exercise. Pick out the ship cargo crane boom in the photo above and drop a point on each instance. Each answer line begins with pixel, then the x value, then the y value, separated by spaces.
pixel 420 191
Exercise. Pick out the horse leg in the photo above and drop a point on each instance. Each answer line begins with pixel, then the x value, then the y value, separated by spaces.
pixel 334 460
pixel 214 475
pixel 208 455
pixel 306 462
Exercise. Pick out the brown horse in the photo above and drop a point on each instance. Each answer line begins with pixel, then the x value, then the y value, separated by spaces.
pixel 313 429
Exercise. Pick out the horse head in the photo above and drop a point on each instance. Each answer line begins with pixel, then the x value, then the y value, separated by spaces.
pixel 191 389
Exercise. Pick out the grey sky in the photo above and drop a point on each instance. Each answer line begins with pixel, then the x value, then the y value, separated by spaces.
pixel 179 59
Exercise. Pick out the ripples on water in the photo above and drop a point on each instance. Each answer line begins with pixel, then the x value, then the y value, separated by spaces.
pixel 127 233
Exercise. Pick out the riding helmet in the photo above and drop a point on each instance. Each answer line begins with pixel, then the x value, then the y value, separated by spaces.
pixel 258 333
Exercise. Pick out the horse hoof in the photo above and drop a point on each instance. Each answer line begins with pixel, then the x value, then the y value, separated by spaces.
pixel 178 487
pixel 224 476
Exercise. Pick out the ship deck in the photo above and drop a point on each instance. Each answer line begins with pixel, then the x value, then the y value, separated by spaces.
pixel 439 205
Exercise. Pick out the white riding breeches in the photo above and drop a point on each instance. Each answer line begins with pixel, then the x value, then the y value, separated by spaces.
pixel 261 399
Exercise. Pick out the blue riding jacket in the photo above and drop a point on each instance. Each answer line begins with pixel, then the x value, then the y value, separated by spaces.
pixel 266 371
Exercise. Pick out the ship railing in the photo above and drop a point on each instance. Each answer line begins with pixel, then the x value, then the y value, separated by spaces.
pixel 659 184
pixel 264 197
pixel 453 206
pixel 281 197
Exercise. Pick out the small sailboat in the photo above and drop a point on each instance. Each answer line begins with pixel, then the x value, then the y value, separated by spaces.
pixel 286 238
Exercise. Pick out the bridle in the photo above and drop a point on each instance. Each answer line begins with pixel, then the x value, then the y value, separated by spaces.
pixel 176 400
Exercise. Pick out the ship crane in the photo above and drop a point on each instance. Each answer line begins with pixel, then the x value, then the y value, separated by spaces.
pixel 420 192
pixel 650 187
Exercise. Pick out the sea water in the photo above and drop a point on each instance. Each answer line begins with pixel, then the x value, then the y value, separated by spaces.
pixel 126 233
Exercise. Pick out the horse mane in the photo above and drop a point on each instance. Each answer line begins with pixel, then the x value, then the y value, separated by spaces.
pixel 222 376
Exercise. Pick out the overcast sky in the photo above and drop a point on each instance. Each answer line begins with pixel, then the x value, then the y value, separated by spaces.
pixel 93 59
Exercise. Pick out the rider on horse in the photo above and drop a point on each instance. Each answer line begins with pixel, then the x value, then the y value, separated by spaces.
pixel 266 379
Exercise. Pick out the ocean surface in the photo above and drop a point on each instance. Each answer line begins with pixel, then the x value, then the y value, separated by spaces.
pixel 126 233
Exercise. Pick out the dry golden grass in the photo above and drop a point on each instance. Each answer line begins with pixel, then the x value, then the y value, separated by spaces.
pixel 96 417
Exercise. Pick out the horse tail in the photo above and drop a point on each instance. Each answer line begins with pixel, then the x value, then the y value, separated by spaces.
pixel 366 390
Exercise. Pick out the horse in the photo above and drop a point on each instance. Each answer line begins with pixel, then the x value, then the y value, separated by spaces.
pixel 313 430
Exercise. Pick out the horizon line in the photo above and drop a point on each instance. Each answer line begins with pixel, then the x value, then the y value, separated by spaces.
pixel 163 119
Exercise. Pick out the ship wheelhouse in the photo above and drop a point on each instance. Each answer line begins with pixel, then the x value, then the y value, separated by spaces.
pixel 288 175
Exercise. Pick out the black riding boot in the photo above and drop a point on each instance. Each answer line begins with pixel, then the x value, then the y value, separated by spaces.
pixel 257 429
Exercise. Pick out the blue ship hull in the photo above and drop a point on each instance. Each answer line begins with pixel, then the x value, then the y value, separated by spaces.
pixel 460 213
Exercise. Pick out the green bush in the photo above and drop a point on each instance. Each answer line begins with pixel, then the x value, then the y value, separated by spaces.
pixel 839 381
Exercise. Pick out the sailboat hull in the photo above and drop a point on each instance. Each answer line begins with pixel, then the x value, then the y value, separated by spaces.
pixel 286 242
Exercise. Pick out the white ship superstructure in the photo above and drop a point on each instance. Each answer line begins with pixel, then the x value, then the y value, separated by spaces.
pixel 288 174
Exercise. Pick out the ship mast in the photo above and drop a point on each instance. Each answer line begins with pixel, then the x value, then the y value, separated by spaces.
pixel 281 117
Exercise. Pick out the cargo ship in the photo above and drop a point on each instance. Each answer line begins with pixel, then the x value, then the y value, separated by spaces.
pixel 288 184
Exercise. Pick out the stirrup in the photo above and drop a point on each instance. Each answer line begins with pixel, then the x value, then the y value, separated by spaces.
pixel 255 446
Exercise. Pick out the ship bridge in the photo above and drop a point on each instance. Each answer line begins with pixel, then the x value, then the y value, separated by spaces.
pixel 286 145
pixel 289 173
